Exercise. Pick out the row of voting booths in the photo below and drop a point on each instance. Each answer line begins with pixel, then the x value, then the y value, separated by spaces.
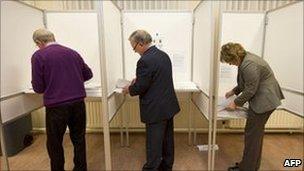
pixel 191 38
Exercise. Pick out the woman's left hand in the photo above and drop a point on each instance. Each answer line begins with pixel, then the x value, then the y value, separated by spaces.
pixel 231 106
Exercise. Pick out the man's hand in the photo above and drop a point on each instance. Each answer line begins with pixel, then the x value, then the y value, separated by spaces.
pixel 125 89
pixel 231 106
pixel 229 94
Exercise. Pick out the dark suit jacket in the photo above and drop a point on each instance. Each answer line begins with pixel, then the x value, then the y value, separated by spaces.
pixel 154 85
pixel 257 84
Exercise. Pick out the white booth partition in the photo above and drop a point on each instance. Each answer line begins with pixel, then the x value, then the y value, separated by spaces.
pixel 202 46
pixel 284 53
pixel 203 39
pixel 18 21
pixel 112 67
pixel 113 54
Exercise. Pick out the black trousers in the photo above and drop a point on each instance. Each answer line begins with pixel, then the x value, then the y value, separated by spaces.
pixel 58 118
pixel 254 134
pixel 159 146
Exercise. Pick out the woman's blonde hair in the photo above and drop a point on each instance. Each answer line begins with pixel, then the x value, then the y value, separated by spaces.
pixel 232 52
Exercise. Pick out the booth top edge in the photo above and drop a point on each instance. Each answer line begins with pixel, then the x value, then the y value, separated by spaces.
pixel 156 11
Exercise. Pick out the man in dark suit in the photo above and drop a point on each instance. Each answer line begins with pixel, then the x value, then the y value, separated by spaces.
pixel 157 98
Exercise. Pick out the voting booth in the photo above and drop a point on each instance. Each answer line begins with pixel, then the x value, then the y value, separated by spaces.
pixel 105 59
pixel 192 40
pixel 277 37
pixel 17 25
pixel 88 42
pixel 160 24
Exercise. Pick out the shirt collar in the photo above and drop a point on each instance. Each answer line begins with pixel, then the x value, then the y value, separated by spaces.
pixel 51 43
pixel 150 47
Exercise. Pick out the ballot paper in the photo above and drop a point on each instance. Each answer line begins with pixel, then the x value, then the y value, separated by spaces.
pixel 118 90
pixel 121 83
pixel 205 147
pixel 240 112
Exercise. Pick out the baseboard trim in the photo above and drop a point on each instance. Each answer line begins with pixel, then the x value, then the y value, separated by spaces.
pixel 183 130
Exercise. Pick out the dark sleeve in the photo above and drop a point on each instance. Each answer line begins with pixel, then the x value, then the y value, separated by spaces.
pixel 251 76
pixel 237 90
pixel 143 79
pixel 86 70
pixel 38 82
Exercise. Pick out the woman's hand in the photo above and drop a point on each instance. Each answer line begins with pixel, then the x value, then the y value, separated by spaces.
pixel 231 106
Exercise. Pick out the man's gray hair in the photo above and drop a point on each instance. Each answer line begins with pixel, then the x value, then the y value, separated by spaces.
pixel 140 36
pixel 43 36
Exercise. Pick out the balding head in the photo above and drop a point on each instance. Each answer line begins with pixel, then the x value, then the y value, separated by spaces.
pixel 140 36
pixel 140 41
pixel 43 36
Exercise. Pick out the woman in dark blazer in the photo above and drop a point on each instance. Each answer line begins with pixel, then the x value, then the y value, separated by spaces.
pixel 257 85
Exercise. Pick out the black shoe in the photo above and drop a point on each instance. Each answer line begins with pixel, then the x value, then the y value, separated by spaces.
pixel 234 168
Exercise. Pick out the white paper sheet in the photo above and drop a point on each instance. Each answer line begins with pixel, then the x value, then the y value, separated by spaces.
pixel 179 62
pixel 240 112
pixel 122 83
pixel 205 147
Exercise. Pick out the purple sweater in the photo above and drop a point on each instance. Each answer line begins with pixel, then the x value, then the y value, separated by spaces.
pixel 59 73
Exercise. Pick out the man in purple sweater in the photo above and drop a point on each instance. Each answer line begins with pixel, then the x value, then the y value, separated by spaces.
pixel 59 74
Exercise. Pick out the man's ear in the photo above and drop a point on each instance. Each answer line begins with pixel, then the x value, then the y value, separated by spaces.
pixel 38 42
